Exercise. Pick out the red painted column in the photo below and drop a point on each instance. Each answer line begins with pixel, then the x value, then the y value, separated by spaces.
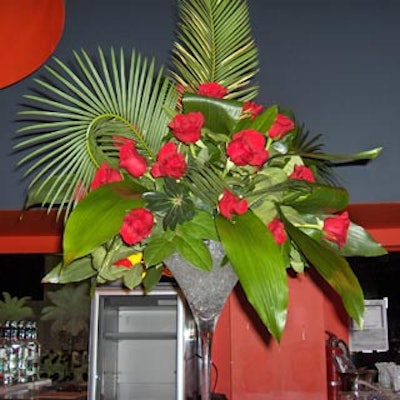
pixel 293 369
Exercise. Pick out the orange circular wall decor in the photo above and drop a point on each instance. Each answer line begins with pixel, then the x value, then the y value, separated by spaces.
pixel 29 33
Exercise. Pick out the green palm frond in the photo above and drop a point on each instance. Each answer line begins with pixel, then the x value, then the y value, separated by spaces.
pixel 14 308
pixel 214 44
pixel 77 111
pixel 204 182
pixel 70 309
pixel 310 148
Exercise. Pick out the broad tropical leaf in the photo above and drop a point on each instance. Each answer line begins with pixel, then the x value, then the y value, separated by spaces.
pixel 258 263
pixel 220 116
pixel 78 270
pixel 320 199
pixel 97 218
pixel 333 268
pixel 359 242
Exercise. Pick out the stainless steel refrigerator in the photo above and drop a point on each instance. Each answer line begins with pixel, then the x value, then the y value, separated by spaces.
pixel 142 346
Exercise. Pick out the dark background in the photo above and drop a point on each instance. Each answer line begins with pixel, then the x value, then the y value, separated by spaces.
pixel 335 63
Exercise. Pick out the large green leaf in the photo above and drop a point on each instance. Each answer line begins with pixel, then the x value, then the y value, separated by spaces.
pixel 202 226
pixel 159 247
pixel 77 271
pixel 152 277
pixel 187 239
pixel 221 116
pixel 333 268
pixel 360 243
pixel 98 217
pixel 321 199
pixel 259 265
pixel 194 251
pixel 263 121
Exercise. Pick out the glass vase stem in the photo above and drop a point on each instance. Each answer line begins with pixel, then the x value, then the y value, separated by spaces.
pixel 206 328
pixel 206 293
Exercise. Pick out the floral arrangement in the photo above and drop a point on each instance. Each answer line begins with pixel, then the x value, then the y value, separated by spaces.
pixel 144 164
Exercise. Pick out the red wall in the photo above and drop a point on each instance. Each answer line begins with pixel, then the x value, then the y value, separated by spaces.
pixel 252 366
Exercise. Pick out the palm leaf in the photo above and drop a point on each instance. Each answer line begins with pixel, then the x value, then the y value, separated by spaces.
pixel 307 144
pixel 214 44
pixel 15 308
pixel 311 150
pixel 76 111
pixel 70 309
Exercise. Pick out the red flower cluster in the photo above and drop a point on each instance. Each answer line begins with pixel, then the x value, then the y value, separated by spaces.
pixel 247 147
pixel 336 228
pixel 278 230
pixel 252 108
pixel 131 160
pixel 105 174
pixel 169 162
pixel 187 127
pixel 136 226
pixel 230 204
pixel 302 173
pixel 280 127
pixel 212 89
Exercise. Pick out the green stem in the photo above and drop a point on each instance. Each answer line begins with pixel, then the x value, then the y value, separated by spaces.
pixel 115 245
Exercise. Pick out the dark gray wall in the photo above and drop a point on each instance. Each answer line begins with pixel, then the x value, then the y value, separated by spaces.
pixel 335 63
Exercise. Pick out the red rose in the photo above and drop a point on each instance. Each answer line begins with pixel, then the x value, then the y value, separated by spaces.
pixel 169 162
pixel 280 127
pixel 137 225
pixel 105 174
pixel 230 204
pixel 248 148
pixel 252 109
pixel 336 228
pixel 212 89
pixel 302 173
pixel 278 230
pixel 131 160
pixel 187 127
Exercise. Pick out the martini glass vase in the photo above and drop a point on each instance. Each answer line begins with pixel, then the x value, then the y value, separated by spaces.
pixel 206 293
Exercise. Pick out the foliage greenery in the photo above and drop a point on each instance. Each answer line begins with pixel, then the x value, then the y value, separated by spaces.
pixel 77 110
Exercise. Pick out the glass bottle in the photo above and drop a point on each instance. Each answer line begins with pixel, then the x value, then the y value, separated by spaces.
pixel 7 377
pixel 33 351
pixel 3 354
pixel 22 353
pixel 13 352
